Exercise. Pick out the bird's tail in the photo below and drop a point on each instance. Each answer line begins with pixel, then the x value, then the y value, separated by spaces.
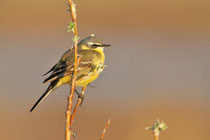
pixel 53 85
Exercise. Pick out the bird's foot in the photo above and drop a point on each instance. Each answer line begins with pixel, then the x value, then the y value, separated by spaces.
pixel 80 96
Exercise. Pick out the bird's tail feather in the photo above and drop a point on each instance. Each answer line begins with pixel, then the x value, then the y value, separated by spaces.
pixel 53 85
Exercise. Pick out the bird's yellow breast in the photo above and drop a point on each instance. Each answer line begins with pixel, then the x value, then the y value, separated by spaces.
pixel 86 80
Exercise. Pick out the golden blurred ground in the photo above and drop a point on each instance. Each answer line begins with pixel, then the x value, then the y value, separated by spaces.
pixel 184 122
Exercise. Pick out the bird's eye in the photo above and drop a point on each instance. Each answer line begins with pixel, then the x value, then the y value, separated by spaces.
pixel 95 45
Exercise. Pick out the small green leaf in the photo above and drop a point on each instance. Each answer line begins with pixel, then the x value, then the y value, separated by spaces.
pixel 75 39
pixel 157 127
pixel 71 27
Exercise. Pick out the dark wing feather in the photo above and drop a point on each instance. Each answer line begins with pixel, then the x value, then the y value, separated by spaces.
pixel 57 72
pixel 82 65
pixel 65 67
pixel 50 70
pixel 54 75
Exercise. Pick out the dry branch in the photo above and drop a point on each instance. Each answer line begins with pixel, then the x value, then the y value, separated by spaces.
pixel 73 81
pixel 104 131
pixel 79 102
pixel 69 115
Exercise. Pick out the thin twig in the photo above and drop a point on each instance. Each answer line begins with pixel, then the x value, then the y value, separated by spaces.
pixel 73 81
pixel 104 131
pixel 79 101
pixel 156 136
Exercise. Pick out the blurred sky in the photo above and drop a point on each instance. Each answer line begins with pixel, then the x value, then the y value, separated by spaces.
pixel 158 67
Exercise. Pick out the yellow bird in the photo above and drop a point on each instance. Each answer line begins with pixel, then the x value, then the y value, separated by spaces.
pixel 90 51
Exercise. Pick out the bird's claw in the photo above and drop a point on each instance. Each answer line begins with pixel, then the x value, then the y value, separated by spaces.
pixel 80 96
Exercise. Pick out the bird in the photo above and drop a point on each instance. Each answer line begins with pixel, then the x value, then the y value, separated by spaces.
pixel 91 53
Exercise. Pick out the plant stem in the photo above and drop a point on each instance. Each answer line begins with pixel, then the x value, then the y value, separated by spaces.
pixel 104 131
pixel 73 81
pixel 79 101
pixel 156 136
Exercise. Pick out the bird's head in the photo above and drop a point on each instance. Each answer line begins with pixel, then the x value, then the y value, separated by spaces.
pixel 92 42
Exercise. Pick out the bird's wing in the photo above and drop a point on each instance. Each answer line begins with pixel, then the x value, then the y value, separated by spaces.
pixel 50 70
pixel 65 67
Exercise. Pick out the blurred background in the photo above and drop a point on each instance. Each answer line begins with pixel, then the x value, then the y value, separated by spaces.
pixel 158 67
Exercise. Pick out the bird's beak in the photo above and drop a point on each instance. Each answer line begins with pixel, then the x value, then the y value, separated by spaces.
pixel 105 45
